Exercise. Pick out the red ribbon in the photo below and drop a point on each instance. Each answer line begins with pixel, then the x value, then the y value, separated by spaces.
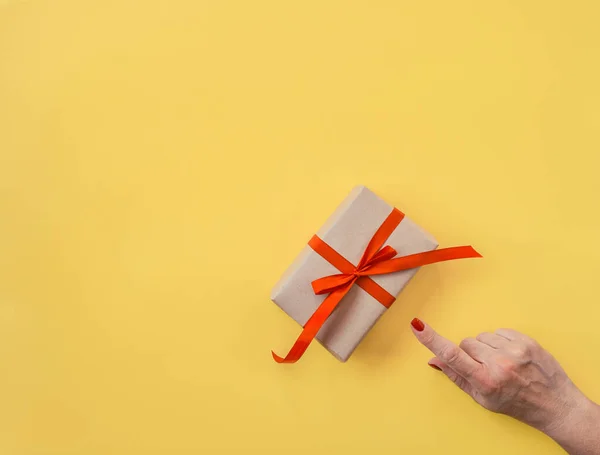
pixel 374 261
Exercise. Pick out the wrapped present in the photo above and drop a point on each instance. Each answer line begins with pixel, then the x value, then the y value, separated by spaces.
pixel 352 270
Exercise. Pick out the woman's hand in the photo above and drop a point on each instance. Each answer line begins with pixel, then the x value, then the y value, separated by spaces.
pixel 509 373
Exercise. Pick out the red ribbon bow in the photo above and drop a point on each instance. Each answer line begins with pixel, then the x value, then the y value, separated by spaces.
pixel 374 261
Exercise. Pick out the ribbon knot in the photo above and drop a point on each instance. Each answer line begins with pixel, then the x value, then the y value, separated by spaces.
pixel 376 260
pixel 365 267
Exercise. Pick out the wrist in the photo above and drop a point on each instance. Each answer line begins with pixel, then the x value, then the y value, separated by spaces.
pixel 573 420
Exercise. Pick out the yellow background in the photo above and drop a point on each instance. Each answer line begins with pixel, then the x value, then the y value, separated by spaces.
pixel 161 163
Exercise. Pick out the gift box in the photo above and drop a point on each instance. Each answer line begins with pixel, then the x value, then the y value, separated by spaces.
pixel 351 271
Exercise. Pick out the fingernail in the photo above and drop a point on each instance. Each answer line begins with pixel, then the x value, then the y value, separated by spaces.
pixel 435 367
pixel 417 324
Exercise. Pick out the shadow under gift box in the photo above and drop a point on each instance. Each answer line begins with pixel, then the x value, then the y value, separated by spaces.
pixel 348 231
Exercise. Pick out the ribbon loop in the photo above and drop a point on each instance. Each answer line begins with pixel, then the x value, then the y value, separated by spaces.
pixel 328 283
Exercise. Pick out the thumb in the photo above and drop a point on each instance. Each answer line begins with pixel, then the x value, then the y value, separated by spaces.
pixel 461 382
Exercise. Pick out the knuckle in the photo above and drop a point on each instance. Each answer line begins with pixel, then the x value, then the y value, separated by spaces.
pixel 521 350
pixel 467 342
pixel 450 354
pixel 532 346
pixel 489 387
pixel 506 366
pixel 481 336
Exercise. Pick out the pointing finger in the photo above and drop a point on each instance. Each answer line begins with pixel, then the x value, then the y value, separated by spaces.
pixel 448 352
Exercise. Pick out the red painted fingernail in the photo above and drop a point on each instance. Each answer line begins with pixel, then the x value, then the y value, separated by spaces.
pixel 434 366
pixel 417 324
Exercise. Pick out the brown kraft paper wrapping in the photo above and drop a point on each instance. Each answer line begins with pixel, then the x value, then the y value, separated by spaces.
pixel 348 230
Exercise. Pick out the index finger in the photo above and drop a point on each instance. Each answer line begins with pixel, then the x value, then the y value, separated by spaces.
pixel 447 351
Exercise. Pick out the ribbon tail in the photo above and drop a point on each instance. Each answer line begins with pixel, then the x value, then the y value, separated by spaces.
pixel 312 327
pixel 420 259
